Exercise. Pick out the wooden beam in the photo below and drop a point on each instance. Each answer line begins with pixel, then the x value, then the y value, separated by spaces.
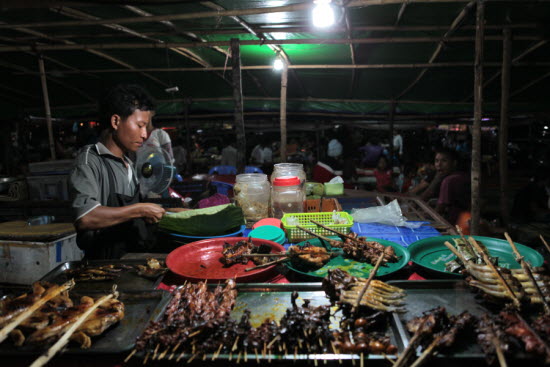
pixel 47 110
pixel 262 37
pixel 298 67
pixel 218 14
pixel 352 56
pixel 454 26
pixel 478 114
pixel 284 80
pixel 515 61
pixel 297 41
pixel 503 130
pixel 238 100
pixel 530 84
pixel 391 120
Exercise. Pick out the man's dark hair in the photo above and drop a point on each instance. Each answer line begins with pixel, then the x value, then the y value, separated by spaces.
pixel 450 153
pixel 123 100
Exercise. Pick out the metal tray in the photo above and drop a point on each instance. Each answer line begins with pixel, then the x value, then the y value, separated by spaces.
pixel 139 308
pixel 453 294
pixel 128 280
pixel 272 300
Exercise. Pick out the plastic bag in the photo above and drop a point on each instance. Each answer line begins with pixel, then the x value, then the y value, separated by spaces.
pixel 388 214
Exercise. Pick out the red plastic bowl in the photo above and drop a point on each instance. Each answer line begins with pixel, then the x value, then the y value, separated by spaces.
pixel 200 260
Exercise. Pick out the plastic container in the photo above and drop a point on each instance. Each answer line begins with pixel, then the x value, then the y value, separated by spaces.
pixel 251 193
pixel 287 196
pixel 24 262
pixel 294 234
pixel 270 233
pixel 334 189
pixel 289 169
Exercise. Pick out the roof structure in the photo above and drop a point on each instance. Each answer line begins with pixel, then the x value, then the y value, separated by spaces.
pixel 417 55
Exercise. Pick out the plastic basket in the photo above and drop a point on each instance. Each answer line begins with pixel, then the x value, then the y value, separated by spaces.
pixel 294 234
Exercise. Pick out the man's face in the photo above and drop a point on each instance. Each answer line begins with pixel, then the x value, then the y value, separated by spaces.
pixel 132 132
pixel 444 164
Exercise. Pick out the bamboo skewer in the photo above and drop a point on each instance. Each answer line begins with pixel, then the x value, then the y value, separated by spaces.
pixel 500 353
pixel 334 231
pixel 43 359
pixel 534 333
pixel 50 294
pixel 426 353
pixel 545 243
pixel 267 264
pixel 315 234
pixel 527 269
pixel 496 271
pixel 367 283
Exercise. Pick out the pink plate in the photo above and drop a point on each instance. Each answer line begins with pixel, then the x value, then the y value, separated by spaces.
pixel 200 260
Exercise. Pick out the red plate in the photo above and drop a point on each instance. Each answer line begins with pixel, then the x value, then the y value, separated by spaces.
pixel 200 260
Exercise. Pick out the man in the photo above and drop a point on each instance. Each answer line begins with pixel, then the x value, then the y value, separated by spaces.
pixel 450 186
pixel 109 218
pixel 229 155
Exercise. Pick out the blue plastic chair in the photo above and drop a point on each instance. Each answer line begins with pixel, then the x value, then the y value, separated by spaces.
pixel 223 170
pixel 252 169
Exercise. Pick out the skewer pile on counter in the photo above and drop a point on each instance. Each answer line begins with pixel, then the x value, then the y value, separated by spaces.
pixel 47 315
pixel 197 323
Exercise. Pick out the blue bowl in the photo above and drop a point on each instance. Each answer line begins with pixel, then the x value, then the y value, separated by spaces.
pixel 197 238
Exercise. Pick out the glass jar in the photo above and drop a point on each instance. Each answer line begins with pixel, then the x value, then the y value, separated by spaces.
pixel 289 169
pixel 287 196
pixel 251 193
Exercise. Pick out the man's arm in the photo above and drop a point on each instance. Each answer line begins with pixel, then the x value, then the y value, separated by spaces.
pixel 105 216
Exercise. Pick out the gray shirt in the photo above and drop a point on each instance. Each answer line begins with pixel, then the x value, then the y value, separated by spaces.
pixel 89 179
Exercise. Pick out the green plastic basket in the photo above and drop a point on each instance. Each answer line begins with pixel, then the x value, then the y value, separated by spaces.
pixel 294 234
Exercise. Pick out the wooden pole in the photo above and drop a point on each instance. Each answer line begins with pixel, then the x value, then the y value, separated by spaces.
pixel 238 100
pixel 188 142
pixel 46 105
pixel 284 81
pixel 504 118
pixel 478 111
pixel 391 118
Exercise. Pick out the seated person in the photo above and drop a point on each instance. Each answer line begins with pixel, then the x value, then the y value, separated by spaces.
pixel 531 203
pixel 454 191
pixel 384 176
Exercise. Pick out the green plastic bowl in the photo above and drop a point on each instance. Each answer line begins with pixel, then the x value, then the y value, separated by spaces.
pixel 431 253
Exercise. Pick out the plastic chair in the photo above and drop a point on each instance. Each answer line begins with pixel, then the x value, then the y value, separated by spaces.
pixel 223 170
pixel 252 169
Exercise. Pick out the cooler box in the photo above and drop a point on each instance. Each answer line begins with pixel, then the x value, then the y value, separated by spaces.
pixel 25 258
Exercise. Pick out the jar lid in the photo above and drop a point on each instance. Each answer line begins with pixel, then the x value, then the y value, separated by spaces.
pixel 270 233
pixel 286 181
pixel 267 222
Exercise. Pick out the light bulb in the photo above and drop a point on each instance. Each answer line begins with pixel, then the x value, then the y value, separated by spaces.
pixel 278 64
pixel 322 15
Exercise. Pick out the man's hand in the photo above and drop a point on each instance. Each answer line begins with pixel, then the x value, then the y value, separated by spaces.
pixel 152 213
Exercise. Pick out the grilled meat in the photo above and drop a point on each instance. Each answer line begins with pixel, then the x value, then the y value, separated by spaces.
pixel 152 270
pixel 308 256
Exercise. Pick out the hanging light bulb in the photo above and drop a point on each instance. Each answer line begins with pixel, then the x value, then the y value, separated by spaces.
pixel 322 14
pixel 278 63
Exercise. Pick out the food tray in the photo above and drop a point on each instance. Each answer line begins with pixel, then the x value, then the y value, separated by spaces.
pixel 128 280
pixel 296 235
pixel 139 308
pixel 455 295
pixel 272 300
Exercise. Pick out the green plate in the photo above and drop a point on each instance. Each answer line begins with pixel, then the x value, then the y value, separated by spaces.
pixel 432 254
pixel 353 267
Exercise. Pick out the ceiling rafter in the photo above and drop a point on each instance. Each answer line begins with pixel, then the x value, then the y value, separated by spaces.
pixel 401 12
pixel 515 60
pixel 262 37
pixel 195 38
pixel 222 13
pixel 529 85
pixel 298 29
pixel 455 25
pixel 267 42
pixel 50 78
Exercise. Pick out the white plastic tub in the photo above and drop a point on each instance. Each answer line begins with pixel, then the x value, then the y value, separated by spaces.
pixel 24 262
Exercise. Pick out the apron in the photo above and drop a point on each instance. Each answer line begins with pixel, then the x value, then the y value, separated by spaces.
pixel 113 242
